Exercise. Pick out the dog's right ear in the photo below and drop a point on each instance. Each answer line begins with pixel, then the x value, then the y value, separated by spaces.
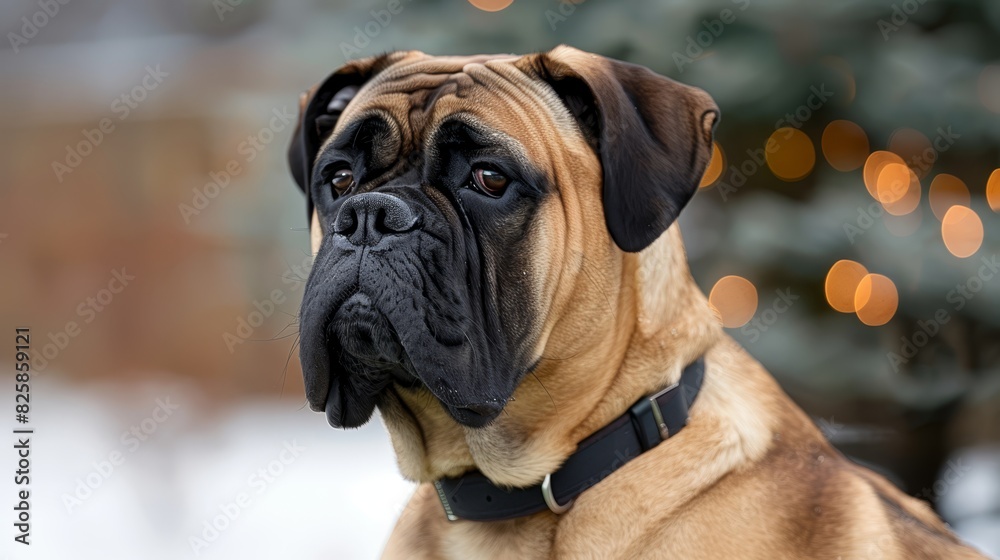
pixel 319 109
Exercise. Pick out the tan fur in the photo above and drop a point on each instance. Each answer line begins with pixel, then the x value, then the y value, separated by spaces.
pixel 750 477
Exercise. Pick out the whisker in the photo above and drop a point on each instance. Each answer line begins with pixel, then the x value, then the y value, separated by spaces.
pixel 549 359
pixel 553 401
pixel 284 371
pixel 273 338
pixel 294 322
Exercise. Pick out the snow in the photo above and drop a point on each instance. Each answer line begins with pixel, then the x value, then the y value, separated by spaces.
pixel 329 494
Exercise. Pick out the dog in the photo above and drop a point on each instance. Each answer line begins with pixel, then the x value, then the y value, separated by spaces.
pixel 498 270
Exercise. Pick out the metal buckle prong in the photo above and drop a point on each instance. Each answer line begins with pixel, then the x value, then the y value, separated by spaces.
pixel 657 414
pixel 550 500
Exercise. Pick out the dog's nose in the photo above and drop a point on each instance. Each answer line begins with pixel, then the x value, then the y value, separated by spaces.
pixel 364 219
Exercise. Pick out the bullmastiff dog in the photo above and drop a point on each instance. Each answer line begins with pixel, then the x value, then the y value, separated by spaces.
pixel 498 270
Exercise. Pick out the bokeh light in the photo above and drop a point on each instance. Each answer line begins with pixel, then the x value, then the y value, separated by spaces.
pixel 892 183
pixel 491 5
pixel 898 189
pixel 845 145
pixel 962 231
pixel 914 148
pixel 794 156
pixel 947 191
pixel 734 300
pixel 876 300
pixel 715 166
pixel 841 284
pixel 993 190
pixel 989 87
pixel 873 168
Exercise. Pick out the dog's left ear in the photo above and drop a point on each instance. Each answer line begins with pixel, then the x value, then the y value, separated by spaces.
pixel 652 134
pixel 319 109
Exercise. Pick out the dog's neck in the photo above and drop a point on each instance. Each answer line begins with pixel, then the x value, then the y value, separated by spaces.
pixel 656 321
pixel 668 322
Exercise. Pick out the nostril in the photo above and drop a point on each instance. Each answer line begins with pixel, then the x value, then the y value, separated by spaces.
pixel 346 221
pixel 486 409
pixel 379 223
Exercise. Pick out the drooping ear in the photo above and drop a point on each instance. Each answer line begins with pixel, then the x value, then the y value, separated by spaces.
pixel 319 109
pixel 652 135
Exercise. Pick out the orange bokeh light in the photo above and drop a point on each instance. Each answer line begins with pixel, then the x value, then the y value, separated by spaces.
pixel 734 300
pixel 491 5
pixel 993 190
pixel 892 183
pixel 715 166
pixel 962 231
pixel 898 189
pixel 947 191
pixel 790 154
pixel 845 145
pixel 841 284
pixel 876 300
pixel 873 168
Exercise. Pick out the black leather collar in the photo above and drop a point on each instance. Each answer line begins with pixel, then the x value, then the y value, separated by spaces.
pixel 648 422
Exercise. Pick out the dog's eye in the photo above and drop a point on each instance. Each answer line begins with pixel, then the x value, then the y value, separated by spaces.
pixel 342 180
pixel 489 181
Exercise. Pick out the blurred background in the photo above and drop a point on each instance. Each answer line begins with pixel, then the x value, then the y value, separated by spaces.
pixel 153 240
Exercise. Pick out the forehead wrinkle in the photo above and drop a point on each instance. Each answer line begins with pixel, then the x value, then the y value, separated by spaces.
pixel 421 71
pixel 447 64
pixel 514 74
pixel 546 96
pixel 429 67
pixel 411 83
pixel 409 88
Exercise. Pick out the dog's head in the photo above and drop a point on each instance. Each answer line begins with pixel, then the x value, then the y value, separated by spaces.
pixel 456 205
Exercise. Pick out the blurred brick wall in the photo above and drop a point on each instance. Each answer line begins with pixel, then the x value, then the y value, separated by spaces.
pixel 119 208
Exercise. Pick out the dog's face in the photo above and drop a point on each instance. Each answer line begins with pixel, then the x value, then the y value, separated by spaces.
pixel 454 201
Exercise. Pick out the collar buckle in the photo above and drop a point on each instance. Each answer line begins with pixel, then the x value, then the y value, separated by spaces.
pixel 550 500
